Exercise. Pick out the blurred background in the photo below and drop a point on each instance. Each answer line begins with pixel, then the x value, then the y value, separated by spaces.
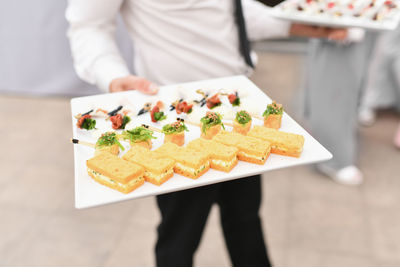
pixel 309 219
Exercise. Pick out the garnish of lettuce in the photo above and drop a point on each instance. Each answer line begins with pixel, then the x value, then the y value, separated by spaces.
pixel 273 109
pixel 88 124
pixel 174 128
pixel 243 117
pixel 236 103
pixel 108 139
pixel 210 120
pixel 125 121
pixel 138 134
pixel 159 116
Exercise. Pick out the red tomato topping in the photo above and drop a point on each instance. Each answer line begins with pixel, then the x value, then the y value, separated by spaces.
pixel 331 4
pixel 351 6
pixel 154 110
pixel 183 107
pixel 232 98
pixel 213 101
pixel 81 120
pixel 117 121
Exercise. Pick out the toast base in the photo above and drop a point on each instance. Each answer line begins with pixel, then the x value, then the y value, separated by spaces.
pixel 115 186
pixel 160 181
pixel 222 168
pixel 251 159
pixel 189 174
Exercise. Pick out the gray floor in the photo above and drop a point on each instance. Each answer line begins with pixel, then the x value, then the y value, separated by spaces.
pixel 308 219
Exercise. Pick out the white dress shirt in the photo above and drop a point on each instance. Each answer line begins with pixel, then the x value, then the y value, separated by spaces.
pixel 174 40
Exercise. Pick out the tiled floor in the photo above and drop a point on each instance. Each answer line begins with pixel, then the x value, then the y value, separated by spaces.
pixel 308 219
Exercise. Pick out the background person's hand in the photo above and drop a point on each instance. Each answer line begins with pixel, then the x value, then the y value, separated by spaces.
pixel 302 30
pixel 132 82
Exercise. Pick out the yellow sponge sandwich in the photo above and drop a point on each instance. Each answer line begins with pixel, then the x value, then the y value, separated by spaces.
pixel 188 163
pixel 116 173
pixel 251 149
pixel 157 169
pixel 283 143
pixel 222 157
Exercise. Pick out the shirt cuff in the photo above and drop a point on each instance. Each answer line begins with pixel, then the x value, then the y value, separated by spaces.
pixel 107 69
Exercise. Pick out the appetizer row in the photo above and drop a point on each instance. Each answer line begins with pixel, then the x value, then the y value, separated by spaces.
pixel 222 153
pixel 120 116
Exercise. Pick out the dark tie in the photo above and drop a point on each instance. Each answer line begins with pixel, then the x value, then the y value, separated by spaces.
pixel 244 42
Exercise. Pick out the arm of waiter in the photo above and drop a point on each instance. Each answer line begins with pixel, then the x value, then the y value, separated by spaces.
pixel 260 25
pixel 97 59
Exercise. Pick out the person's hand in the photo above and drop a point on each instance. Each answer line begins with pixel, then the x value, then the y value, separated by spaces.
pixel 132 82
pixel 302 30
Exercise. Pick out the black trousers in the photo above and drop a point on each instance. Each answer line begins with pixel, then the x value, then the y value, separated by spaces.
pixel 184 215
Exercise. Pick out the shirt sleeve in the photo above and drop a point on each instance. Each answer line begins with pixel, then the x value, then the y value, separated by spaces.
pixel 260 24
pixel 91 34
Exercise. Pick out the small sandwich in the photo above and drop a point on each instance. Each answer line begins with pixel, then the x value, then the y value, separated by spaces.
pixel 222 157
pixel 211 125
pixel 188 162
pixel 108 142
pixel 116 173
pixel 175 132
pixel 273 115
pixel 157 169
pixel 251 149
pixel 287 144
pixel 242 122
pixel 139 136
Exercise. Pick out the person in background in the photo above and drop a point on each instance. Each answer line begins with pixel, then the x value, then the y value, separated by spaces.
pixel 383 84
pixel 175 42
pixel 334 79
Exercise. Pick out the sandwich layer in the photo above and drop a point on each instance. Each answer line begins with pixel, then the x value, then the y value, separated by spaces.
pixel 167 149
pixel 107 181
pixel 158 179
pixel 191 158
pixel 251 149
pixel 282 143
pixel 252 158
pixel 225 166
pixel 217 151
pixel 190 172
pixel 157 169
pixel 150 160
pixel 115 168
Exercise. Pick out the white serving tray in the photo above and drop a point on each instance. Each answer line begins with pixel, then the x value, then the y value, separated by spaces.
pixel 89 193
pixel 390 23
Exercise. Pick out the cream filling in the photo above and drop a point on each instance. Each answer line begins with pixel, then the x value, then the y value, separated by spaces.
pixel 190 169
pixel 262 158
pixel 224 163
pixel 109 180
pixel 151 175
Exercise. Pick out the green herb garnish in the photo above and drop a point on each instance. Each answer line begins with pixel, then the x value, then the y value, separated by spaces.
pixel 176 127
pixel 108 139
pixel 273 108
pixel 88 124
pixel 236 102
pixel 138 134
pixel 243 117
pixel 125 121
pixel 211 119
pixel 159 116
